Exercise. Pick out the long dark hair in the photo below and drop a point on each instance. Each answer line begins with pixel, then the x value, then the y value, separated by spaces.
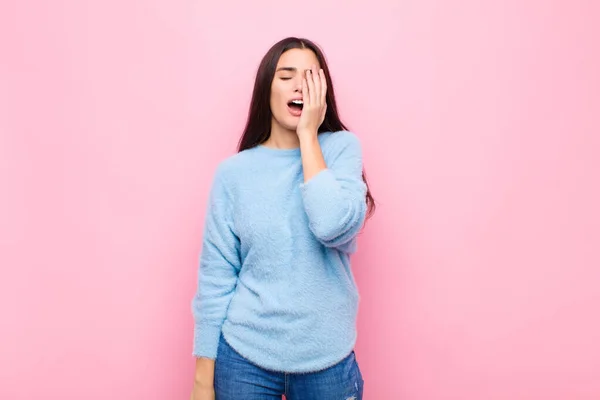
pixel 258 124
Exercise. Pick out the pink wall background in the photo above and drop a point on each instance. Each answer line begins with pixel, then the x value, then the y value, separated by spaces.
pixel 479 274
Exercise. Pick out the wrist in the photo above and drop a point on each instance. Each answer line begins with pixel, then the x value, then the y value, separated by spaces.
pixel 307 134
pixel 307 138
pixel 205 381
pixel 204 385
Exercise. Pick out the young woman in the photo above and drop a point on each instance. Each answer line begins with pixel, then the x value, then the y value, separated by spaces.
pixel 276 305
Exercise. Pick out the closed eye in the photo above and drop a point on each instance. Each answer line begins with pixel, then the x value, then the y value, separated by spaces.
pixel 285 79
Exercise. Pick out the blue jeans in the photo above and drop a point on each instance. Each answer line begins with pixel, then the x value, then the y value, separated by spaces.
pixel 238 379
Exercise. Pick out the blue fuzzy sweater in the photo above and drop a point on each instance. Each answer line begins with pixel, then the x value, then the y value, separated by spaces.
pixel 274 275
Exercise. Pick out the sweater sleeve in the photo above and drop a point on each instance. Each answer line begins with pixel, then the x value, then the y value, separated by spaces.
pixel 218 270
pixel 335 198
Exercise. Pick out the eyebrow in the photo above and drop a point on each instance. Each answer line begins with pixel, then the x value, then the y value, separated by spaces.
pixel 291 69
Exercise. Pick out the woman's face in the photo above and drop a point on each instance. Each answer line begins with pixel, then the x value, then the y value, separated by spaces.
pixel 287 87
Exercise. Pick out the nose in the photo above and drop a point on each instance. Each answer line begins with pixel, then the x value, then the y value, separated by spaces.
pixel 298 87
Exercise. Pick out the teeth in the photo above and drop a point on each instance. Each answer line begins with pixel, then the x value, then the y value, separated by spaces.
pixel 299 102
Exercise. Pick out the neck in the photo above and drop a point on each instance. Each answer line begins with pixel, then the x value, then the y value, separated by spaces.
pixel 281 138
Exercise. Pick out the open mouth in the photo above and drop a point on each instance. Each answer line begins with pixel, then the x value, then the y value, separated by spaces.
pixel 296 105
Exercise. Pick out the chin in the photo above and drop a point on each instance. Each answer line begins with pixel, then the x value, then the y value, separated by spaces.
pixel 289 123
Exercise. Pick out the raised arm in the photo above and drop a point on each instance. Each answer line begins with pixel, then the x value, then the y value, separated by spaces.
pixel 334 195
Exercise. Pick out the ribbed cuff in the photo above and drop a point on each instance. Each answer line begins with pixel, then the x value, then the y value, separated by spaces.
pixel 206 341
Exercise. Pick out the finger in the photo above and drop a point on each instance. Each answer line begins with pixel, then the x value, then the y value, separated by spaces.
pixel 323 87
pixel 317 81
pixel 311 87
pixel 324 112
pixel 305 96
